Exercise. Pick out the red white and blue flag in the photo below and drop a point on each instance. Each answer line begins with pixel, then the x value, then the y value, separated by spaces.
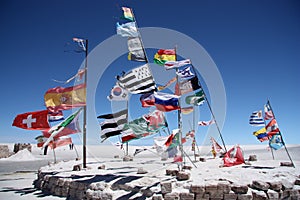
pixel 268 112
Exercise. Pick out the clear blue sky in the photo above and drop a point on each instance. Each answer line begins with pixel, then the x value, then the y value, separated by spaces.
pixel 254 44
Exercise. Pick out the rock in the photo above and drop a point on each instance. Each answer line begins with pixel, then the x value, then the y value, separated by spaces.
pixel 212 190
pixel 276 185
pixel 142 171
pixel 4 151
pixel 286 184
pixel 272 194
pixel 252 158
pixel 258 195
pixel 239 189
pixel 224 186
pixel 157 197
pixel 198 189
pixel 101 167
pixel 166 187
pixel 116 156
pixel 247 196
pixel 171 196
pixel 187 167
pixel 202 159
pixel 230 196
pixel 182 176
pixel 187 196
pixel 286 164
pixel 260 185
pixel 297 182
pixel 77 167
pixel 127 158
pixel 172 172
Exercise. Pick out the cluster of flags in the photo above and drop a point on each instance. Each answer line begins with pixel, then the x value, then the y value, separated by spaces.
pixel 56 101
pixel 140 81
pixel 270 130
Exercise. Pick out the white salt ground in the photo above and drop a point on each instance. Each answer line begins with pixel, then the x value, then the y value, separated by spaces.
pixel 19 185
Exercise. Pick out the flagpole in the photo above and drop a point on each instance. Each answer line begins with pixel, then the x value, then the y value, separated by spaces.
pixel 212 113
pixel 85 107
pixel 139 35
pixel 269 141
pixel 126 153
pixel 281 136
pixel 179 113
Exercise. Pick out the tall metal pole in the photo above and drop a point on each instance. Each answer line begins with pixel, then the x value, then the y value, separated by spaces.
pixel 85 107
pixel 281 136
pixel 179 112
pixel 214 118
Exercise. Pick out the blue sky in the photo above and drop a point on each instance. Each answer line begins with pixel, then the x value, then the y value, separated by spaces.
pixel 254 44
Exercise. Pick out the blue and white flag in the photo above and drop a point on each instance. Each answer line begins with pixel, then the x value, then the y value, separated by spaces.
pixel 185 72
pixel 127 30
pixel 276 142
pixel 256 119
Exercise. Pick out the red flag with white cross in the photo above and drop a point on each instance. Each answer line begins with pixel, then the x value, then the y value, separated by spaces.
pixel 37 120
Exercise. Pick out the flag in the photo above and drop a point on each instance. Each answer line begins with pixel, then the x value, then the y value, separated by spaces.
pixel 81 44
pixel 185 72
pixel 40 140
pixel 176 64
pixel 127 13
pixel 166 102
pixel 164 55
pixel 78 75
pixel 127 30
pixel 215 146
pixel 147 99
pixel 187 110
pixel 276 142
pixel 138 80
pixel 118 94
pixel 59 142
pixel 272 127
pixel 37 120
pixel 187 86
pixel 261 134
pixel 268 112
pixel 206 123
pixel 136 50
pixel 137 151
pixel 60 98
pixel 146 125
pixel 73 127
pixel 55 116
pixel 113 123
pixel 159 88
pixel 256 119
pixel 57 129
pixel 196 99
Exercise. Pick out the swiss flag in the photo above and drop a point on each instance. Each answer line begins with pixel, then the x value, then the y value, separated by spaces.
pixel 32 120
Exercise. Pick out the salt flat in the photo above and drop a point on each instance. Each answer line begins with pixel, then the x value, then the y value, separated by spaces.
pixel 18 172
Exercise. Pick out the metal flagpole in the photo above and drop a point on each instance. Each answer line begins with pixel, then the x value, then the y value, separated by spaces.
pixel 214 118
pixel 269 140
pixel 85 107
pixel 281 136
pixel 179 113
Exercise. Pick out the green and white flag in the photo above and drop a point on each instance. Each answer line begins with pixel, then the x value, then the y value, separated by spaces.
pixel 197 99
pixel 55 130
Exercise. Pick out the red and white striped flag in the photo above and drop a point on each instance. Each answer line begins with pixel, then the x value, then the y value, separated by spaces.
pixel 215 146
pixel 206 123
